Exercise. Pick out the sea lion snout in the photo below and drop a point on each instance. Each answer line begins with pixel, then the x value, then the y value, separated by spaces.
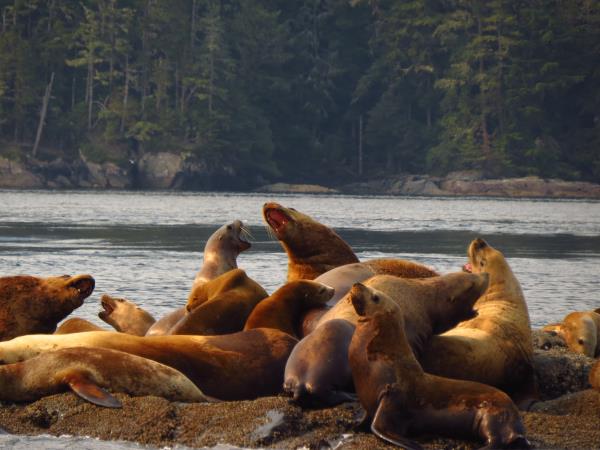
pixel 358 298
pixel 84 284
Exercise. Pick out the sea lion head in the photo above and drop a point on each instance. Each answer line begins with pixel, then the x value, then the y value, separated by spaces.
pixel 124 315
pixel 580 333
pixel 368 301
pixel 231 237
pixel 485 258
pixel 462 292
pixel 36 305
pixel 311 293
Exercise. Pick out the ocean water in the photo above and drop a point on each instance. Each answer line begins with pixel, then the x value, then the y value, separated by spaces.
pixel 147 246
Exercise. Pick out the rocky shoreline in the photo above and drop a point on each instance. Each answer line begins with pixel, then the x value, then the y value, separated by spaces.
pixel 165 170
pixel 566 418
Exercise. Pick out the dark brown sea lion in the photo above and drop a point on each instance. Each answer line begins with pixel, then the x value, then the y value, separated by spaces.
pixel 77 325
pixel 581 332
pixel 221 305
pixel 594 377
pixel 312 247
pixel 430 306
pixel 400 399
pixel 496 347
pixel 283 309
pixel 125 316
pixel 238 366
pixel 36 305
pixel 88 371
pixel 220 256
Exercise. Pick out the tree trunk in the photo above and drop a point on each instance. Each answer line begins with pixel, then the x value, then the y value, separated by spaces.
pixel 90 95
pixel 125 95
pixel 360 146
pixel 40 128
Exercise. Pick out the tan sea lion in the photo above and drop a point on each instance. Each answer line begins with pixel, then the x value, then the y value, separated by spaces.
pixel 236 366
pixel 430 306
pixel 88 371
pixel 400 399
pixel 221 305
pixel 36 305
pixel 220 256
pixel 125 316
pixel 496 347
pixel 77 325
pixel 312 247
pixel 283 309
pixel 581 332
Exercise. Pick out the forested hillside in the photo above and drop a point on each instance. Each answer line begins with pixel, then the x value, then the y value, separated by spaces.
pixel 309 89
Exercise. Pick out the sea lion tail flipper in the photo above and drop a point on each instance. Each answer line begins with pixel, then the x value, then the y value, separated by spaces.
pixel 389 425
pixel 91 392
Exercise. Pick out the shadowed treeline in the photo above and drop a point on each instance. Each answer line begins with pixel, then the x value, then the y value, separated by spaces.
pixel 320 90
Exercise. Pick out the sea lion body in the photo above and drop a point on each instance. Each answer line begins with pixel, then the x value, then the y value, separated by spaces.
pixel 496 347
pixel 36 305
pixel 220 256
pixel 125 316
pixel 581 332
pixel 312 247
pixel 283 309
pixel 430 305
pixel 237 366
pixel 594 376
pixel 221 305
pixel 84 370
pixel 77 325
pixel 400 399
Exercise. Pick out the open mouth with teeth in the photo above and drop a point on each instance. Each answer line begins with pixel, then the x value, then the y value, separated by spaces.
pixel 108 305
pixel 277 219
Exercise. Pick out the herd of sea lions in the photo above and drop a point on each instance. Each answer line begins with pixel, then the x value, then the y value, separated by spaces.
pixel 422 352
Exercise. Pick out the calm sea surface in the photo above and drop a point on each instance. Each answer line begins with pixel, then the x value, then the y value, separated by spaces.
pixel 148 246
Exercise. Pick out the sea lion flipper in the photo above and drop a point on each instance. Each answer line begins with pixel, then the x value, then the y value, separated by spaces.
pixel 91 392
pixel 389 425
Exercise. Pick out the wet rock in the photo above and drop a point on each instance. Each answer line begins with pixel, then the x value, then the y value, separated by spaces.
pixel 416 185
pixel 559 371
pixel 279 188
pixel 106 175
pixel 14 174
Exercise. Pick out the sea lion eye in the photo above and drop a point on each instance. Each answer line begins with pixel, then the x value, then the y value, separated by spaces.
pixel 482 263
pixel 375 299
pixel 229 227
pixel 580 341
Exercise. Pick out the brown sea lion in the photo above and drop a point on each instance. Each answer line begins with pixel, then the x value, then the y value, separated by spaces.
pixel 430 306
pixel 312 247
pixel 77 325
pixel 221 305
pixel 283 309
pixel 400 399
pixel 220 256
pixel 125 316
pixel 496 347
pixel 36 305
pixel 88 372
pixel 594 376
pixel 238 366
pixel 581 332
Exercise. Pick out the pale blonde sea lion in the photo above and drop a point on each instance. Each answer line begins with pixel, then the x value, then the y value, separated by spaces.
pixel 125 316
pixel 581 332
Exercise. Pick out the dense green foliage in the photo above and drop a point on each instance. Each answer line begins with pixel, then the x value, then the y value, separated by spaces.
pixel 298 88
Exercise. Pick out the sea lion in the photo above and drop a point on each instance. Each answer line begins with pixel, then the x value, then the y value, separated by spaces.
pixel 237 366
pixel 125 316
pixel 220 256
pixel 282 310
pixel 594 376
pixel 312 247
pixel 496 347
pixel 581 332
pixel 77 325
pixel 88 371
pixel 430 305
pixel 221 305
pixel 36 305
pixel 401 399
